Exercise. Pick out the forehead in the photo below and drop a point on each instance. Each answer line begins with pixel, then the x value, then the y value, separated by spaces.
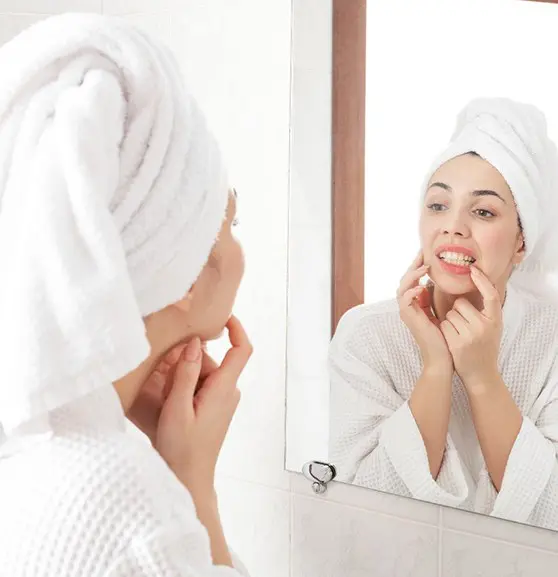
pixel 467 173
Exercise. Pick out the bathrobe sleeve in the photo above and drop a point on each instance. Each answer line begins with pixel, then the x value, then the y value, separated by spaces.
pixel 374 439
pixel 529 492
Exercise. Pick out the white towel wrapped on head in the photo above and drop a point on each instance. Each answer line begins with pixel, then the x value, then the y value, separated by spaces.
pixel 112 194
pixel 512 137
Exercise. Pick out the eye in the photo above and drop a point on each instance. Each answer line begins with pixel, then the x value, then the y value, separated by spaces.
pixel 436 207
pixel 485 213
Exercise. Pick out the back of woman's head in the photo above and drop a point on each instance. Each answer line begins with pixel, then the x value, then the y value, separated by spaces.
pixel 112 194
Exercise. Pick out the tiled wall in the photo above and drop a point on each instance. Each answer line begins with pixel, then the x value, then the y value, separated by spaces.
pixel 236 56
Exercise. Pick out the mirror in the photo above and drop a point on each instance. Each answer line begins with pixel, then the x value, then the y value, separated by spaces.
pixel 447 393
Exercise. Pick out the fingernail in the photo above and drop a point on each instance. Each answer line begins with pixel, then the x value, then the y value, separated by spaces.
pixel 193 350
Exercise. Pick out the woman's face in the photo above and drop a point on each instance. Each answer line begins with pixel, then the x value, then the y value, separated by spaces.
pixel 469 215
pixel 212 297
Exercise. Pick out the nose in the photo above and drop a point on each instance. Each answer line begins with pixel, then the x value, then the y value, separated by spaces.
pixel 455 223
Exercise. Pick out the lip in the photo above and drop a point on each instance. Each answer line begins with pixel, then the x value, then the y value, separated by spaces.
pixel 454 269
pixel 455 248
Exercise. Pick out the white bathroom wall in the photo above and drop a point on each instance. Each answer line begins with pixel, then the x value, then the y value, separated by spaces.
pixel 236 53
pixel 417 129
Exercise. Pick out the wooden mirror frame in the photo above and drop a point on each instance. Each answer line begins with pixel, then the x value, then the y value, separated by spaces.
pixel 348 154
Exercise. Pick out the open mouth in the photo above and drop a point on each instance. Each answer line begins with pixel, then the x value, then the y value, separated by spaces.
pixel 456 258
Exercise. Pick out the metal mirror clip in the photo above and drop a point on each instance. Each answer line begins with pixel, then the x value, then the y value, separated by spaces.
pixel 320 474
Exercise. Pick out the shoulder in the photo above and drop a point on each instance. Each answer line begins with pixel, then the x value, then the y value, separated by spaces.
pixel 376 315
pixel 538 315
pixel 127 480
pixel 368 329
pixel 97 492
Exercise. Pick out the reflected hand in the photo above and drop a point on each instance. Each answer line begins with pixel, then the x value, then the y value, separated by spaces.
pixel 474 336
pixel 415 310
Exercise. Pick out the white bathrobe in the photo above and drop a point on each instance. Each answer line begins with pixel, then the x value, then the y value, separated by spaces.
pixel 96 500
pixel 375 441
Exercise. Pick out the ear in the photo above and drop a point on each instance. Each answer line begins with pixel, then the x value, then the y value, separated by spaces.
pixel 519 254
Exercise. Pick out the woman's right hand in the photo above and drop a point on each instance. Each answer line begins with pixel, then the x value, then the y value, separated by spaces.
pixel 415 311
pixel 194 419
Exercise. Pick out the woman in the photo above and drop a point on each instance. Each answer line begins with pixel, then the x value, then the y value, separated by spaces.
pixel 449 393
pixel 119 262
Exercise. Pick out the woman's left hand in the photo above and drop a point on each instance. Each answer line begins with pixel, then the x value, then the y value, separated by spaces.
pixel 474 336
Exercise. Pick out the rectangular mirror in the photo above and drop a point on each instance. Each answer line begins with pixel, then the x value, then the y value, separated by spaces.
pixel 384 164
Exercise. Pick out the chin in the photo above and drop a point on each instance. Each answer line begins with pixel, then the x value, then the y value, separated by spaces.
pixel 454 285
pixel 216 331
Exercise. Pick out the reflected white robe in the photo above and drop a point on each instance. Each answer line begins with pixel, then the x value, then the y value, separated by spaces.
pixel 375 442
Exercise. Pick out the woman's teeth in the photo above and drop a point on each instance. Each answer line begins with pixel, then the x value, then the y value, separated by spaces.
pixel 457 258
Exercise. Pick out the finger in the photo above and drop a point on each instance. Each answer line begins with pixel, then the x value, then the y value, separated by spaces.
pixel 171 357
pixel 468 311
pixel 411 296
pixel 492 305
pixel 449 332
pixel 418 261
pixel 239 354
pixel 458 322
pixel 186 375
pixel 411 279
pixel 412 304
pixel 208 365
pixel 425 303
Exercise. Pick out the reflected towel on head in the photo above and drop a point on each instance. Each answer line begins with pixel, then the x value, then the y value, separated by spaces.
pixel 112 194
pixel 512 137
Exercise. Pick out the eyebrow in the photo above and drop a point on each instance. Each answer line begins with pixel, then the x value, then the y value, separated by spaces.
pixel 235 195
pixel 480 192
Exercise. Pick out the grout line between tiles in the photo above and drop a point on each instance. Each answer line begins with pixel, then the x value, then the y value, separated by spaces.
pixel 440 540
pixel 291 530
pixel 504 541
pixel 367 510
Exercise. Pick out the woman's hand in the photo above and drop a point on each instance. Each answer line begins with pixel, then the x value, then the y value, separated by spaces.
pixel 145 411
pixel 195 419
pixel 416 312
pixel 474 336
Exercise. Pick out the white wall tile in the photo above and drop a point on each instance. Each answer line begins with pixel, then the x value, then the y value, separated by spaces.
pixel 256 520
pixel 50 6
pixel 156 24
pixel 332 540
pixel 499 529
pixel 125 7
pixel 240 72
pixel 11 25
pixel 362 498
pixel 469 556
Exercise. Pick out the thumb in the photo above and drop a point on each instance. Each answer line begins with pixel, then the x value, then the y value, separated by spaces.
pixel 186 375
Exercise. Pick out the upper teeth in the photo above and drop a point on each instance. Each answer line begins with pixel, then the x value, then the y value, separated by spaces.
pixel 457 257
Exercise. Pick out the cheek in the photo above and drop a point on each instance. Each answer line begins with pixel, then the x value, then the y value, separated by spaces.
pixel 497 246
pixel 234 270
pixel 427 234
pixel 240 262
